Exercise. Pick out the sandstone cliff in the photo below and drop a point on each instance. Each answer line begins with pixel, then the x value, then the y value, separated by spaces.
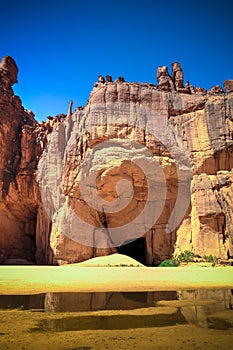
pixel 143 169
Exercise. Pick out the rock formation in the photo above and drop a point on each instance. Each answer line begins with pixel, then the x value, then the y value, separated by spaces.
pixel 101 79
pixel 165 82
pixel 177 76
pixel 18 160
pixel 228 85
pixel 109 78
pixel 216 90
pixel 135 140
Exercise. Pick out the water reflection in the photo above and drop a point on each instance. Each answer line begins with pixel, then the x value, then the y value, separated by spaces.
pixel 222 301
pixel 23 302
pixel 163 318
pixel 74 302
pixel 203 308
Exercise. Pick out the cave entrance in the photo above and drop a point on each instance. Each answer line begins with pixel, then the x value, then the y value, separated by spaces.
pixel 135 249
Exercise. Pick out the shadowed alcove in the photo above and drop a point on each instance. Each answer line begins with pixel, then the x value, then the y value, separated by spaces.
pixel 135 249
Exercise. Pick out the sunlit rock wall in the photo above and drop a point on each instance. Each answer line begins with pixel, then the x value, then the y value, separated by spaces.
pixel 142 166
pixel 195 128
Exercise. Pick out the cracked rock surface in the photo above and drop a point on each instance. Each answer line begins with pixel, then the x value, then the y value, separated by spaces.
pixel 124 132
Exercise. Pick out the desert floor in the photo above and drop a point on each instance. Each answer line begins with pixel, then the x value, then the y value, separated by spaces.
pixel 17 327
pixel 43 279
pixel 17 333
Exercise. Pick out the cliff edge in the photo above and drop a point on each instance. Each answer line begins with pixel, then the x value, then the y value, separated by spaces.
pixel 142 169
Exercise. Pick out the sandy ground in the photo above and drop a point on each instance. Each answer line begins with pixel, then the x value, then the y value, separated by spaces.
pixel 30 330
pixel 79 278
pixel 17 334
pixel 119 260
pixel 17 327
pixel 180 337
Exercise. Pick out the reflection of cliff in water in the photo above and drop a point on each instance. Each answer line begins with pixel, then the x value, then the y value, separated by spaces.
pixel 60 302
pixel 74 302
pixel 203 308
pixel 24 302
pixel 204 315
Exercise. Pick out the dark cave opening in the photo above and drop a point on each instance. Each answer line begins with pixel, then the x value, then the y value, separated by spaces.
pixel 135 249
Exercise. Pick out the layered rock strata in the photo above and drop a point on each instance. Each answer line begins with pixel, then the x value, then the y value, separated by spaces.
pixel 164 150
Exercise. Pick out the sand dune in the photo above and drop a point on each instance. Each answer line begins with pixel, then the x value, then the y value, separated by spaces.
pixel 110 260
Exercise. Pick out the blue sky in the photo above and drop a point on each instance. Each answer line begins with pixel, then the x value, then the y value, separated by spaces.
pixel 61 47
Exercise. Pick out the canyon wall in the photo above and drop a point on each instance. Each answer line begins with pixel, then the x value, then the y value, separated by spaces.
pixel 142 169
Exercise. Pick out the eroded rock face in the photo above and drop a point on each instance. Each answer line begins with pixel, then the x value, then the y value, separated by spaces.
pixel 22 141
pixel 134 140
pixel 8 70
pixel 178 77
pixel 164 80
pixel 216 90
pixel 199 124
pixel 228 85
pixel 18 159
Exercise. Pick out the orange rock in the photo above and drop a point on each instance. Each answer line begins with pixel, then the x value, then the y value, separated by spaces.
pixel 109 135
